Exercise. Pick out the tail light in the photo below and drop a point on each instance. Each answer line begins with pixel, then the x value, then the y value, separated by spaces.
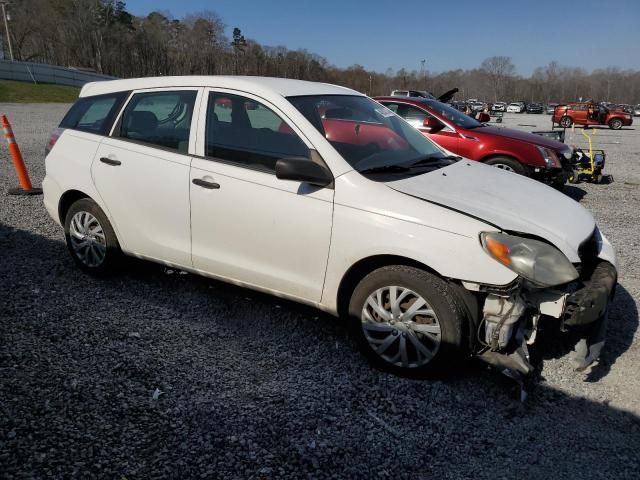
pixel 53 138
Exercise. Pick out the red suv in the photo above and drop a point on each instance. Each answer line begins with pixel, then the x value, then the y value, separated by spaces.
pixel 521 152
pixel 588 113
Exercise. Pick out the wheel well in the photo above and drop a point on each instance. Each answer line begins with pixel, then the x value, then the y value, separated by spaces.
pixel 68 199
pixel 365 266
pixel 500 155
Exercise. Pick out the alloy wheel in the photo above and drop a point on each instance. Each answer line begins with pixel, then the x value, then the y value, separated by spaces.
pixel 401 327
pixel 87 239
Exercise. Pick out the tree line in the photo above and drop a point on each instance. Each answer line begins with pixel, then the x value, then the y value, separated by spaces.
pixel 103 36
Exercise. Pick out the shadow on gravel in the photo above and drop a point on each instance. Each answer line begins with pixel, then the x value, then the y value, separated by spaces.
pixel 574 192
pixel 621 328
pixel 256 387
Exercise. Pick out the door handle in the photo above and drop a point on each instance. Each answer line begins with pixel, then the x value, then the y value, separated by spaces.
pixel 205 184
pixel 110 161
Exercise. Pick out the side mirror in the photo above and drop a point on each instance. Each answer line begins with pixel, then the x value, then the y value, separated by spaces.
pixel 302 169
pixel 483 117
pixel 432 124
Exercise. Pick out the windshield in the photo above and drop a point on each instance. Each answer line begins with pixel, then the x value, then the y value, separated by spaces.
pixel 456 117
pixel 369 136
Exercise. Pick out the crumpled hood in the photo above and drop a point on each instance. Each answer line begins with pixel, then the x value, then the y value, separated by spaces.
pixel 505 199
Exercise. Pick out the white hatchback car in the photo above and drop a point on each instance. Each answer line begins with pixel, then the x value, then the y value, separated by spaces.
pixel 319 194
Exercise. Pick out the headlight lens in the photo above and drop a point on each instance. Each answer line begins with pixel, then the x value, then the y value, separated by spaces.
pixel 536 261
pixel 550 157
pixel 567 152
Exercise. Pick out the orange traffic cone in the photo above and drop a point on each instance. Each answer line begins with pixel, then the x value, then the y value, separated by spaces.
pixel 21 170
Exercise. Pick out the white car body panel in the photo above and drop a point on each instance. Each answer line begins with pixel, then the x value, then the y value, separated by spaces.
pixel 259 230
pixel 68 169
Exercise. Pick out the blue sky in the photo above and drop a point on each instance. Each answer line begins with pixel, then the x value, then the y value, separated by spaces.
pixel 448 34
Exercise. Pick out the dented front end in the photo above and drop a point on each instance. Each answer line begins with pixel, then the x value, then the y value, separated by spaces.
pixel 510 315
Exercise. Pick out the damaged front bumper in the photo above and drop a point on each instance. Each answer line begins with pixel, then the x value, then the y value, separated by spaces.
pixel 510 318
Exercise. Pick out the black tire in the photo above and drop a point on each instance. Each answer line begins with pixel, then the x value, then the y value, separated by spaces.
pixel 509 164
pixel 574 177
pixel 565 122
pixel 112 256
pixel 558 183
pixel 615 124
pixel 449 314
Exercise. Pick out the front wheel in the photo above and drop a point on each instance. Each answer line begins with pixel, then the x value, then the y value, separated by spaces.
pixel 407 321
pixel 615 124
pixel 508 164
pixel 566 122
pixel 91 239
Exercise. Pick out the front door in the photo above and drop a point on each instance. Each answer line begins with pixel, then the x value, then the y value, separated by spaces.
pixel 247 225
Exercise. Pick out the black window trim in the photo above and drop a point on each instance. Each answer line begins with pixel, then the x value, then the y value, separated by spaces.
pixel 117 126
pixel 208 92
pixel 121 98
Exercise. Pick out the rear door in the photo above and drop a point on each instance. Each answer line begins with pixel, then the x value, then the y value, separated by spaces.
pixel 247 225
pixel 142 174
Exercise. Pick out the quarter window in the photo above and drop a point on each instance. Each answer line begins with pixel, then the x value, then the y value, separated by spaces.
pixel 161 119
pixel 246 132
pixel 94 114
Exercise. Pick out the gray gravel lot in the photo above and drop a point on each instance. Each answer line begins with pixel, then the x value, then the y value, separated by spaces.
pixel 256 387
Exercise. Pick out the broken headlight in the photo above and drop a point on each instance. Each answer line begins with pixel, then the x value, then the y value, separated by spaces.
pixel 538 262
pixel 551 159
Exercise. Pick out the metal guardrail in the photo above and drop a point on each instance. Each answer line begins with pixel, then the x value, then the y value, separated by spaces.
pixel 43 73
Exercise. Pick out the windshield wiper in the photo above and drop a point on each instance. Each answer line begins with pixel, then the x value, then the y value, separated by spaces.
pixel 435 160
pixel 386 169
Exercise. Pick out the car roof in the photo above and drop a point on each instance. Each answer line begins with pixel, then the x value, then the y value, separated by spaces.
pixel 413 100
pixel 259 85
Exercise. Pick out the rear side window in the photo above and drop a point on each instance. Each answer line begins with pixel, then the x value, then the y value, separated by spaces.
pixel 94 114
pixel 162 119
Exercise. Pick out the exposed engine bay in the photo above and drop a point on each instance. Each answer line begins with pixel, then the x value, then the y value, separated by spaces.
pixel 510 319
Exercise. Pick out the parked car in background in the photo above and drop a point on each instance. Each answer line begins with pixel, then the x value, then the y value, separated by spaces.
pixel 636 110
pixel 524 153
pixel 534 108
pixel 550 108
pixel 323 196
pixel 499 107
pixel 590 113
pixel 477 107
pixel 624 107
pixel 515 107
pixel 460 106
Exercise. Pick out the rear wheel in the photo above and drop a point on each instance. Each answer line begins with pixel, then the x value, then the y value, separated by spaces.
pixel 574 177
pixel 566 122
pixel 91 239
pixel 615 124
pixel 407 321
pixel 508 164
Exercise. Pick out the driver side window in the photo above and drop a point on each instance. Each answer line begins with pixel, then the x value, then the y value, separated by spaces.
pixel 247 133
pixel 414 116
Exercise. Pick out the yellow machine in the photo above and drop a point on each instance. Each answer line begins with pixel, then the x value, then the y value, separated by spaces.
pixel 589 166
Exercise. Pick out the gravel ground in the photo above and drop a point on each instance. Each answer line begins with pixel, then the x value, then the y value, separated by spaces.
pixel 256 387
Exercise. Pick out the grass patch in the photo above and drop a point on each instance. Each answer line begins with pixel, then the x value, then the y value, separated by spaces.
pixel 25 92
